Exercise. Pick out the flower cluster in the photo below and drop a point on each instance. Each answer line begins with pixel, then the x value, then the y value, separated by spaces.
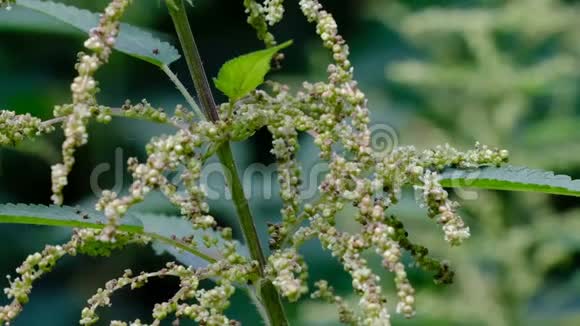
pixel 17 127
pixel 257 19
pixel 373 181
pixel 348 249
pixel 381 237
pixel 103 114
pixel 143 110
pixel 405 165
pixel 31 269
pixel 283 266
pixel 326 293
pixel 327 29
pixel 439 205
pixel 208 310
pixel 84 87
pixel 274 10
pixel 83 241
pixel 167 154
pixel 442 273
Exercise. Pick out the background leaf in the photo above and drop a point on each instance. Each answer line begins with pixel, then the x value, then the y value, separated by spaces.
pixel 243 74
pixel 22 19
pixel 512 178
pixel 132 40
pixel 164 230
pixel 174 226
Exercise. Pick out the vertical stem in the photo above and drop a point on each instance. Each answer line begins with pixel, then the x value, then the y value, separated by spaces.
pixel 267 294
pixel 225 155
pixel 266 291
pixel 192 57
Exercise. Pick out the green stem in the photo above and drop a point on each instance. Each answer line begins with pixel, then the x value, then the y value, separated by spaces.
pixel 267 294
pixel 225 155
pixel 192 57
pixel 182 90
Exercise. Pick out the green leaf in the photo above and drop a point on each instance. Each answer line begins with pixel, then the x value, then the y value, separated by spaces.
pixel 60 216
pixel 243 74
pixel 132 40
pixel 21 19
pixel 165 231
pixel 512 178
pixel 177 227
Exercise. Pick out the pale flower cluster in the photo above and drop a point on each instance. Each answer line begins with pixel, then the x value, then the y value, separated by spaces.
pixel 17 127
pixel 83 241
pixel 84 87
pixel 257 19
pixel 208 311
pixel 274 11
pixel 289 273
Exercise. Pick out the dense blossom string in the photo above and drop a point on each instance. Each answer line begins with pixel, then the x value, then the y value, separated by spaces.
pixel 84 87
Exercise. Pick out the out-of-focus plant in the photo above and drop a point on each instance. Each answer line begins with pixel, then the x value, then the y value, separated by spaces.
pixel 488 72
pixel 360 179
pixel 507 72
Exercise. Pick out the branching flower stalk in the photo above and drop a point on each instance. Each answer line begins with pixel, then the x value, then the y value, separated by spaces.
pixel 211 305
pixel 334 112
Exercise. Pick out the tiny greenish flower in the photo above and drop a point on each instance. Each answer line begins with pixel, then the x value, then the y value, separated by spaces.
pixel 17 127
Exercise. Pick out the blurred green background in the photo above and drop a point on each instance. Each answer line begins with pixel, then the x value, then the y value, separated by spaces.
pixel 506 73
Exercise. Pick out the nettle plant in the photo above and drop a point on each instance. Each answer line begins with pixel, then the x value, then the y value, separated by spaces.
pixel 334 112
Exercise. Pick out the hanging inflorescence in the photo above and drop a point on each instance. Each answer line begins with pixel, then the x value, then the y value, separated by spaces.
pixel 334 112
pixel 84 87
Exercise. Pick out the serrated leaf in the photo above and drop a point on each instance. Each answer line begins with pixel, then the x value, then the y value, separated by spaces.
pixel 132 40
pixel 177 227
pixel 164 230
pixel 243 74
pixel 512 178
pixel 60 216
pixel 21 19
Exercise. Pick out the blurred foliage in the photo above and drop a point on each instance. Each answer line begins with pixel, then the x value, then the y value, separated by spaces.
pixel 506 73
pixel 488 71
